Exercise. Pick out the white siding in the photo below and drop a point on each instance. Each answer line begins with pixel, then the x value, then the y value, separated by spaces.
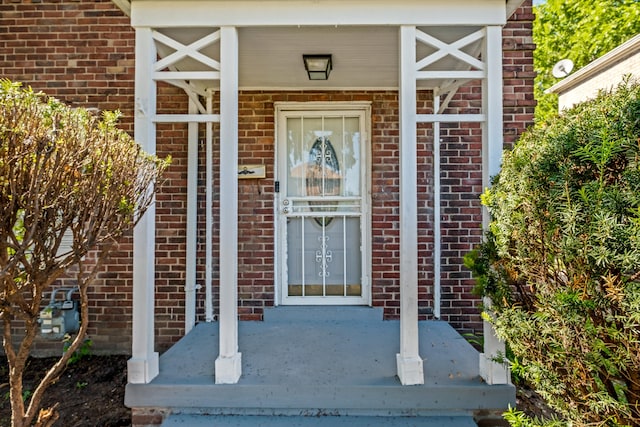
pixel 606 79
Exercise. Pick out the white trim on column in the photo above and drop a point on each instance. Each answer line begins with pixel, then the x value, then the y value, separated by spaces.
pixel 228 366
pixel 192 222
pixel 144 363
pixel 409 362
pixel 492 105
pixel 208 208
pixel 492 371
pixel 437 218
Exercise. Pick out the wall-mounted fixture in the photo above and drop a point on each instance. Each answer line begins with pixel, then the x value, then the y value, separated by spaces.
pixel 318 66
pixel 251 171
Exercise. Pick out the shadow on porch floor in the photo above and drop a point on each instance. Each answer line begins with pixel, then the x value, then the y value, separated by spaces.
pixel 316 361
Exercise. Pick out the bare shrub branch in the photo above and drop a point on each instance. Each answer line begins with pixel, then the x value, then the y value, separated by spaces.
pixel 62 170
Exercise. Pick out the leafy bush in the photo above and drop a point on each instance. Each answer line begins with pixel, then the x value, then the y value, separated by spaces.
pixel 63 171
pixel 561 261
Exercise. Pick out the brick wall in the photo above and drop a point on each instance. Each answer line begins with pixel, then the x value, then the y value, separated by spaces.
pixel 518 73
pixel 82 52
pixel 79 51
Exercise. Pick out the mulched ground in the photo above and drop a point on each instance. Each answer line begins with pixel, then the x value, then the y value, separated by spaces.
pixel 529 402
pixel 90 392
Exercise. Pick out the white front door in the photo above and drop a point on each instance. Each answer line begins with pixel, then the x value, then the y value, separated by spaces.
pixel 322 204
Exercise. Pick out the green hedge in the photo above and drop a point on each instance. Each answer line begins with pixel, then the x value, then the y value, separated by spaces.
pixel 561 261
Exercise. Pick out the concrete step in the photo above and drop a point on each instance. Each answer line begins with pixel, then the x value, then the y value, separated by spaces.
pixel 330 366
pixel 193 420
pixel 381 398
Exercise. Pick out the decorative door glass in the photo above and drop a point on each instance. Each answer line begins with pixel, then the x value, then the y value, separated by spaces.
pixel 322 208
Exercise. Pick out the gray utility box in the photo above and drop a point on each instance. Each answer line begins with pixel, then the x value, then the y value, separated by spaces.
pixel 60 317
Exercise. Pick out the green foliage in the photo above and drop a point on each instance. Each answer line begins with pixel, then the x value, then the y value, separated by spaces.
pixel 477 341
pixel 83 351
pixel 561 262
pixel 26 395
pixel 520 419
pixel 580 30
pixel 63 172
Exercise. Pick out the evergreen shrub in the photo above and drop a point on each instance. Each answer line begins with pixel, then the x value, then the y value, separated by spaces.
pixel 561 259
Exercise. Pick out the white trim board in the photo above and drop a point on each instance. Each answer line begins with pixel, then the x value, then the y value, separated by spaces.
pixel 194 13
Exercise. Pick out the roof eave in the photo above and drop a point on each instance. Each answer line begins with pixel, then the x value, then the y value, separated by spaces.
pixel 512 6
pixel 621 52
pixel 124 5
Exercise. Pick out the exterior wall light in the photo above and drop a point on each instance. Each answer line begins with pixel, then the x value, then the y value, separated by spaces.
pixel 318 66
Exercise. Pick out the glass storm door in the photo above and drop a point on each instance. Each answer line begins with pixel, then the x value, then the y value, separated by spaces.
pixel 321 207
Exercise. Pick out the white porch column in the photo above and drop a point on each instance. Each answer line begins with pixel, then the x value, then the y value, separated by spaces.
pixel 208 206
pixel 192 222
pixel 492 141
pixel 228 366
pixel 143 365
pixel 437 218
pixel 408 360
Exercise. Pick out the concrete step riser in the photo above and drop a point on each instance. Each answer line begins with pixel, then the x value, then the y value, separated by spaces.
pixel 317 421
pixel 390 400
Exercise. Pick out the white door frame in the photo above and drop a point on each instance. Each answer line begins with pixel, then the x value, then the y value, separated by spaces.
pixel 282 109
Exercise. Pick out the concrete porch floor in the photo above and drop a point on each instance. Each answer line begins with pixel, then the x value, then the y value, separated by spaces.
pixel 322 361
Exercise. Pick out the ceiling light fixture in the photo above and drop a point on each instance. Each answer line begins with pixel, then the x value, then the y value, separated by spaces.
pixel 318 66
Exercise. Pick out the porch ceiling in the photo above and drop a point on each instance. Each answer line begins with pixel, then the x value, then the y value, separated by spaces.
pixel 364 57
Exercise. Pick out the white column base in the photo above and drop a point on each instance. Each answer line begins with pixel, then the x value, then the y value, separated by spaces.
pixel 410 370
pixel 142 371
pixel 494 372
pixel 228 369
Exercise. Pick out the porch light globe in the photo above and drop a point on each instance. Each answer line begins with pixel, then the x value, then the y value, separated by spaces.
pixel 318 75
pixel 318 66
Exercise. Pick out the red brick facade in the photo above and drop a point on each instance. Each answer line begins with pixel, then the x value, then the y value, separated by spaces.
pixel 83 53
